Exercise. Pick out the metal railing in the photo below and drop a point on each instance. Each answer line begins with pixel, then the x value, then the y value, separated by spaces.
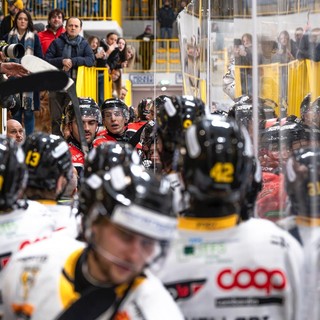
pixel 283 83
pixel 145 10
pixel 160 55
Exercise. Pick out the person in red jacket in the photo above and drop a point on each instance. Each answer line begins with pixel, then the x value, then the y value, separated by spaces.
pixel 53 30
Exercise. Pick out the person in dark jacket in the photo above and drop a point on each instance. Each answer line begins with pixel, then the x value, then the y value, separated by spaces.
pixel 68 52
pixel 146 47
pixel 166 18
pixel 7 22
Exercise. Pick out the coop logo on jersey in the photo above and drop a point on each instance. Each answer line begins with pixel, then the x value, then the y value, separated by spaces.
pixel 260 279
pixel 185 289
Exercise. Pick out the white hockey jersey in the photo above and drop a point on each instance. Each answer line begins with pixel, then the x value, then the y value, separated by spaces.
pixel 249 271
pixel 65 220
pixel 20 228
pixel 39 285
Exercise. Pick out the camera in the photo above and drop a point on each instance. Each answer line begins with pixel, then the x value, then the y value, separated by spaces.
pixel 12 50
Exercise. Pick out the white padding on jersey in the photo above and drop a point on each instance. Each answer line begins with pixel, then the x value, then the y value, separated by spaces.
pixel 92 154
pixel 119 180
pixel 94 181
pixel 192 142
pixel 60 150
pixel 20 155
pixel 168 105
pixel 291 175
pixel 145 221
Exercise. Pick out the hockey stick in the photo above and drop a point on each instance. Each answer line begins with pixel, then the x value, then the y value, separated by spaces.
pixel 35 65
pixel 48 80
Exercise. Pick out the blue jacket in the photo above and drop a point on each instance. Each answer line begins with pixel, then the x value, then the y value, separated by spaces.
pixel 81 55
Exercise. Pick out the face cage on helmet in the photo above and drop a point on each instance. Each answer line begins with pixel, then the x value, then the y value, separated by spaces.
pixel 98 211
pixel 125 113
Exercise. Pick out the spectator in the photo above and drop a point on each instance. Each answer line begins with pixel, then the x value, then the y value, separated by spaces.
pixel 131 57
pixel 100 62
pixel 243 57
pixel 123 56
pixel 22 33
pixel 123 93
pixel 146 47
pixel 298 34
pixel 183 4
pixel 94 42
pixel 110 60
pixel 310 45
pixel 116 78
pixel 286 51
pixel 268 49
pixel 111 48
pixel 166 18
pixel 219 41
pixel 7 22
pixel 15 130
pixel 53 30
pixel 68 52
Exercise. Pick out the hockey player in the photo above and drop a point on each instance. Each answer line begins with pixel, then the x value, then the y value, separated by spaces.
pixel 115 117
pixel 310 111
pixel 174 116
pixel 128 225
pixel 48 160
pixel 217 267
pixel 143 111
pixel 21 221
pixel 301 178
pixel 302 184
pixel 91 118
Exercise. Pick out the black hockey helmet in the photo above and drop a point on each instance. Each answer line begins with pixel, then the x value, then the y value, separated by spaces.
pixel 128 196
pixel 305 105
pixel 218 160
pixel 108 155
pixel 302 182
pixel 294 133
pixel 115 103
pixel 242 110
pixel 47 158
pixel 176 114
pixel 88 108
pixel 144 108
pixel 13 173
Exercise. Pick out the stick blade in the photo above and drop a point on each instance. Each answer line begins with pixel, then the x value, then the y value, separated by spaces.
pixel 35 64
pixel 48 80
